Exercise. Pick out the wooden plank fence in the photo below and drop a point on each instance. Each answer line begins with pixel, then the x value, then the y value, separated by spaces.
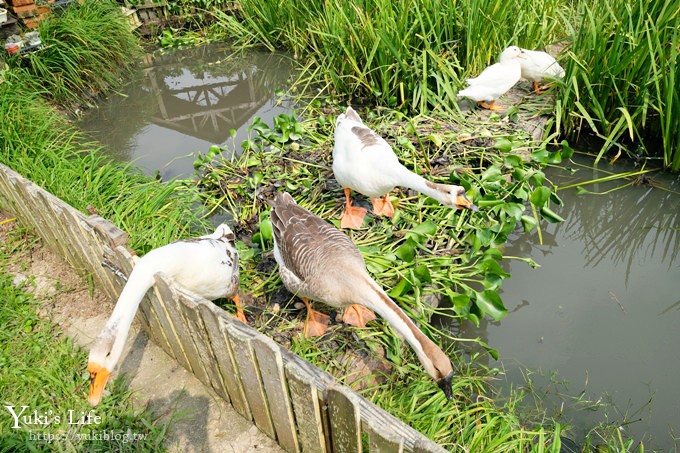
pixel 289 399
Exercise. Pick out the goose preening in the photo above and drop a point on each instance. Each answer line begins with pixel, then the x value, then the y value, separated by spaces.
pixel 319 262
pixel 537 66
pixel 207 265
pixel 363 161
pixel 495 80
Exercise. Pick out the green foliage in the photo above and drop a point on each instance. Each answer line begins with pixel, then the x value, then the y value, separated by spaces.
pixel 88 49
pixel 622 80
pixel 426 248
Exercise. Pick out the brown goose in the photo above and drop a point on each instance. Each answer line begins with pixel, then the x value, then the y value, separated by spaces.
pixel 207 265
pixel 319 262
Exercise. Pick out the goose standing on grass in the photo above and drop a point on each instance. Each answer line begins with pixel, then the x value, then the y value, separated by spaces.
pixel 495 80
pixel 319 262
pixel 537 66
pixel 363 161
pixel 207 265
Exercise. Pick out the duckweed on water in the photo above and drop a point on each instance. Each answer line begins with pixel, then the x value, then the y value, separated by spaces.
pixel 431 259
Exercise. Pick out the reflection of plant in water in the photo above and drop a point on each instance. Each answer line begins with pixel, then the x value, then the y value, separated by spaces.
pixel 625 225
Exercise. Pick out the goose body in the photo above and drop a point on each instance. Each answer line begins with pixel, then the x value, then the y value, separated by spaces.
pixel 537 66
pixel 495 80
pixel 207 265
pixel 363 161
pixel 319 262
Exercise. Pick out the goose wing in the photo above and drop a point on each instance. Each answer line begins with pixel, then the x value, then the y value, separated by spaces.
pixel 308 245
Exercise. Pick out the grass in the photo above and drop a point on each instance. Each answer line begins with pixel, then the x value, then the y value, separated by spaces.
pixel 87 50
pixel 43 370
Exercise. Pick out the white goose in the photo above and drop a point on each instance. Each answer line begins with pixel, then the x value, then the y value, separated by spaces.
pixel 207 265
pixel 363 161
pixel 495 80
pixel 537 66
pixel 319 262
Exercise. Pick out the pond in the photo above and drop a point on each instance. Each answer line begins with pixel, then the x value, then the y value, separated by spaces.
pixel 181 102
pixel 598 319
pixel 601 313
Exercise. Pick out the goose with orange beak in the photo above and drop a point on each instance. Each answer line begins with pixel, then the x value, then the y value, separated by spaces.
pixel 207 266
pixel 364 162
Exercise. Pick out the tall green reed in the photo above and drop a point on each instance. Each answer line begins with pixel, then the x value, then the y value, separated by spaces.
pixel 622 76
pixel 397 53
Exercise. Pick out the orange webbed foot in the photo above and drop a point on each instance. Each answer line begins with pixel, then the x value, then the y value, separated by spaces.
pixel 357 315
pixel 240 315
pixel 316 323
pixel 352 217
pixel 383 206
pixel 491 106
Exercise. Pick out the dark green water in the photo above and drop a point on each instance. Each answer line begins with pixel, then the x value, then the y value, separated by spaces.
pixel 603 311
pixel 181 102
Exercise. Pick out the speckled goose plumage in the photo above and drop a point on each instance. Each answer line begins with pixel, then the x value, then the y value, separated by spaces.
pixel 308 250
pixel 319 262
pixel 207 266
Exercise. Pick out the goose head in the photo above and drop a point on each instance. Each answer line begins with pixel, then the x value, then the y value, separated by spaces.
pixel 510 53
pixel 450 195
pixel 438 365
pixel 104 355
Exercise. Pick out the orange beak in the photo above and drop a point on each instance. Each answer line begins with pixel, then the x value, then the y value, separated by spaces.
pixel 463 202
pixel 98 377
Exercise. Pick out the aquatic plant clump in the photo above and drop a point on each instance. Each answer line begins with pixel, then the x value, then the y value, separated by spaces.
pixel 432 260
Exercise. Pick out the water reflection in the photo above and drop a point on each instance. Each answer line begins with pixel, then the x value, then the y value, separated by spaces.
pixel 182 102
pixel 602 310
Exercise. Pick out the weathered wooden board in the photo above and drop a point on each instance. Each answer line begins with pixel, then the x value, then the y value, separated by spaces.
pixel 226 363
pixel 383 439
pixel 274 380
pixel 246 362
pixel 189 310
pixel 305 397
pixel 167 302
pixel 343 412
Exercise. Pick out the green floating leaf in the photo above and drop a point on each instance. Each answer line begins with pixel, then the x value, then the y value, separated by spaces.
pixel 514 210
pixel 540 196
pixel 541 156
pixel 529 223
pixel 426 228
pixel 490 303
pixel 458 300
pixel 503 144
pixel 512 160
pixel 550 216
pixel 266 230
pixel 400 289
pixel 567 151
pixel 422 273
pixel 493 173
pixel 436 139
pixel 407 251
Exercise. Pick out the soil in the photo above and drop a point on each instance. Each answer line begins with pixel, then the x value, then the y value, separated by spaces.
pixel 206 423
